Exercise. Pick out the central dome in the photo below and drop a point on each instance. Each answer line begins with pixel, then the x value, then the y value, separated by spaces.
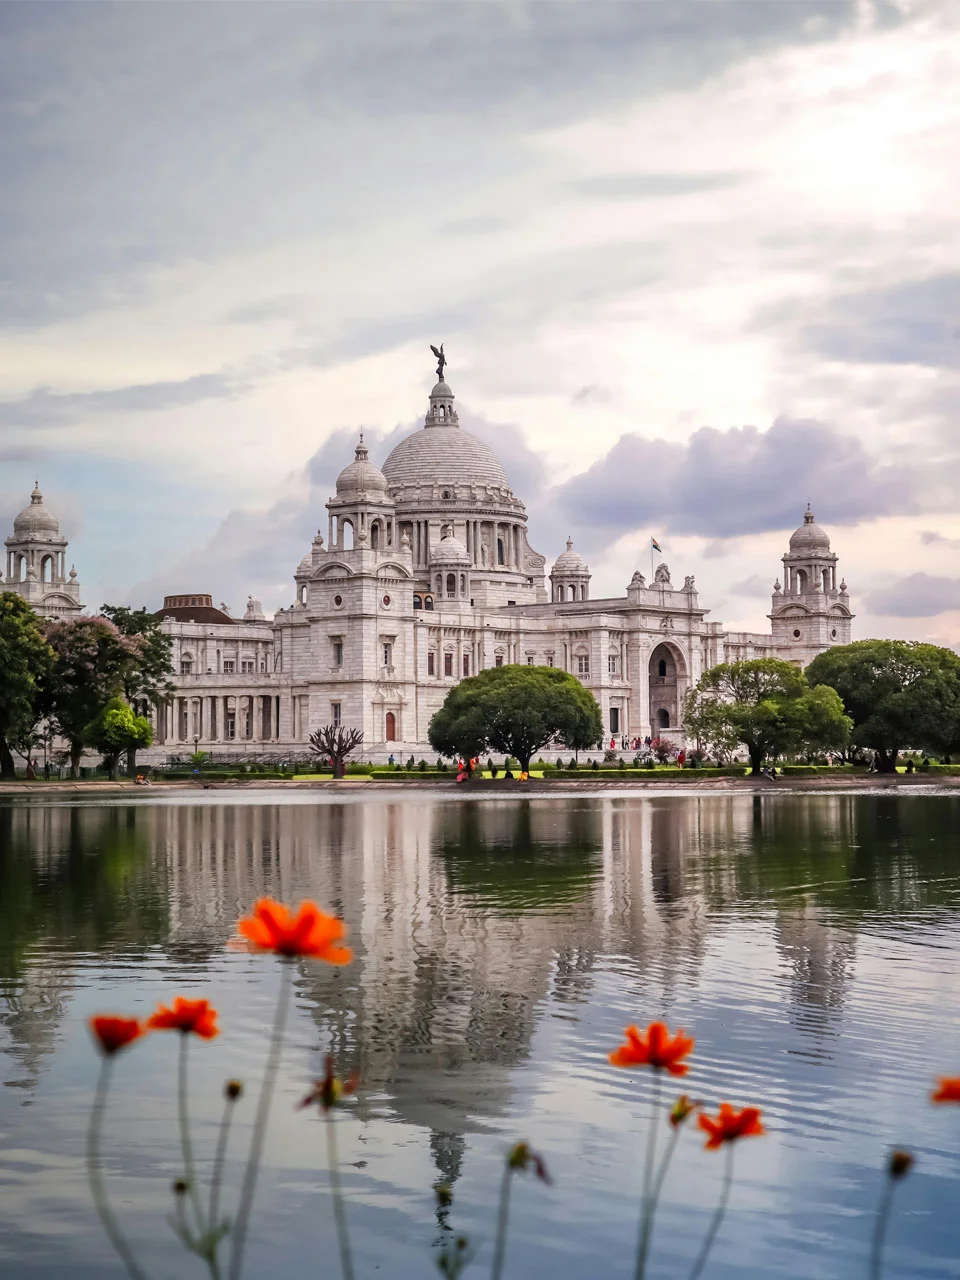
pixel 36 519
pixel 810 537
pixel 444 456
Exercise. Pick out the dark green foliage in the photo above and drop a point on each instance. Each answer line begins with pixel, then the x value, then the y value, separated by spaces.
pixel 25 662
pixel 766 704
pixel 116 730
pixel 516 710
pixel 898 693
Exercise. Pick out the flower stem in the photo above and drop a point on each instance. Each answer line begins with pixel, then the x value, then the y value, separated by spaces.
pixel 880 1230
pixel 503 1212
pixel 655 1199
pixel 339 1209
pixel 717 1217
pixel 646 1217
pixel 260 1127
pixel 189 1171
pixel 216 1180
pixel 97 1183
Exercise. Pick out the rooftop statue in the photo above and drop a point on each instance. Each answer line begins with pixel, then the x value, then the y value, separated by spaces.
pixel 441 360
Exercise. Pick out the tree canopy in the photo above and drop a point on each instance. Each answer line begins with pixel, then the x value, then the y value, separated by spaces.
pixel 117 729
pixel 93 661
pixel 148 674
pixel 25 661
pixel 898 693
pixel 516 710
pixel 768 706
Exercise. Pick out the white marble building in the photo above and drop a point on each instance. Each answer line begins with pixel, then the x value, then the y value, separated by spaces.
pixel 425 575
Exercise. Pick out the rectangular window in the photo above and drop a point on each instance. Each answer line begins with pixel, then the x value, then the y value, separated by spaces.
pixel 549 659
pixel 614 719
pixel 448 664
pixel 388 655
pixel 229 666
pixel 529 659
pixel 335 713
pixel 338 653
pixel 583 664
pixel 247 666
pixel 499 660
pixel 466 665
pixel 431 664
pixel 613 663
pixel 230 725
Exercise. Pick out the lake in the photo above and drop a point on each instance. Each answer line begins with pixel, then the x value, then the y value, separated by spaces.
pixel 809 942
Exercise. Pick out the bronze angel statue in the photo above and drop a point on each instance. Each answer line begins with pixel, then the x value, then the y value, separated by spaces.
pixel 441 360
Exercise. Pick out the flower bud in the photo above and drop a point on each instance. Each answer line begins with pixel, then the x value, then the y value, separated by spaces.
pixel 681 1109
pixel 901 1162
pixel 233 1090
pixel 180 1186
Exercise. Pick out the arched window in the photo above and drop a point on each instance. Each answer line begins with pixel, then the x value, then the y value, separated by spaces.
pixel 46 569
pixel 800 577
pixel 663 718
pixel 571 593
pixel 346 535
pixel 391 727
pixel 662 667
pixel 826 579
pixel 463 584
pixel 500 558
pixel 418 602
pixel 375 535
pixel 428 603
pixel 451 585
pixel 303 594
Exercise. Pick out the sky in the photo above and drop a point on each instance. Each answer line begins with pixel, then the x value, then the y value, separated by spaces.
pixel 693 265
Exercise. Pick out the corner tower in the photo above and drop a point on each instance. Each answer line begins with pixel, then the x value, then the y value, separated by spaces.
pixel 809 612
pixel 37 562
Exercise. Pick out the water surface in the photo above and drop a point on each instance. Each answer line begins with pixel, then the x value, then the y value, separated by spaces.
pixel 810 942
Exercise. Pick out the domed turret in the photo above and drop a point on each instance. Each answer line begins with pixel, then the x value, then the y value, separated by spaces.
pixel 36 520
pixel 570 576
pixel 810 536
pixel 361 477
pixel 449 550
pixel 36 562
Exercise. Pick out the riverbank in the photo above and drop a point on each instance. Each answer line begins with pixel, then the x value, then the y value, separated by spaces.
pixel 688 781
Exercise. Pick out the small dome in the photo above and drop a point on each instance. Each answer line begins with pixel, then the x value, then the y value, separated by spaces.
pixel 569 561
pixel 306 565
pixel 361 476
pixel 450 550
pixel 36 519
pixel 809 537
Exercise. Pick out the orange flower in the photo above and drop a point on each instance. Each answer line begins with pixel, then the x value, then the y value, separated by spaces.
pixel 311 932
pixel 113 1034
pixel 198 1016
pixel 654 1048
pixel 730 1124
pixel 948 1089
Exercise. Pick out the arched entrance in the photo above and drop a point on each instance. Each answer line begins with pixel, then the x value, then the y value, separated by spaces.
pixel 391 727
pixel 667 686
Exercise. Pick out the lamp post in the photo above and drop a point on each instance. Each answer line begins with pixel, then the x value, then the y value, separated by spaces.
pixel 196 753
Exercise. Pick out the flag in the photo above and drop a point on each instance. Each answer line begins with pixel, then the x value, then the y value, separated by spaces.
pixel 655 544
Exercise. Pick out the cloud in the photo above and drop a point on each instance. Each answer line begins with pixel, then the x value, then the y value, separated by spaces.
pixel 913 322
pixel 592 393
pixel 754 586
pixel 930 538
pixel 735 482
pixel 134 139
pixel 918 595
pixel 45 408
pixel 632 186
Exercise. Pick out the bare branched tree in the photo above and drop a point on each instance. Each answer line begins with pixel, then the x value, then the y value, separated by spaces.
pixel 335 741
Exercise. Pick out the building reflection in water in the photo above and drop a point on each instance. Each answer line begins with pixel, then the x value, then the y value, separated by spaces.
pixel 467 917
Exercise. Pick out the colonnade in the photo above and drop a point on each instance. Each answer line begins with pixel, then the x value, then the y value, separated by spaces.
pixel 218 718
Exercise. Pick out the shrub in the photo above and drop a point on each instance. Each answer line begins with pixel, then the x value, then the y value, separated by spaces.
pixel 422 766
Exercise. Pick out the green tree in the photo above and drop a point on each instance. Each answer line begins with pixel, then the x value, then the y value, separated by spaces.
pixel 25 661
pixel 92 662
pixel 767 705
pixel 148 678
pixel 118 729
pixel 899 693
pixel 516 710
